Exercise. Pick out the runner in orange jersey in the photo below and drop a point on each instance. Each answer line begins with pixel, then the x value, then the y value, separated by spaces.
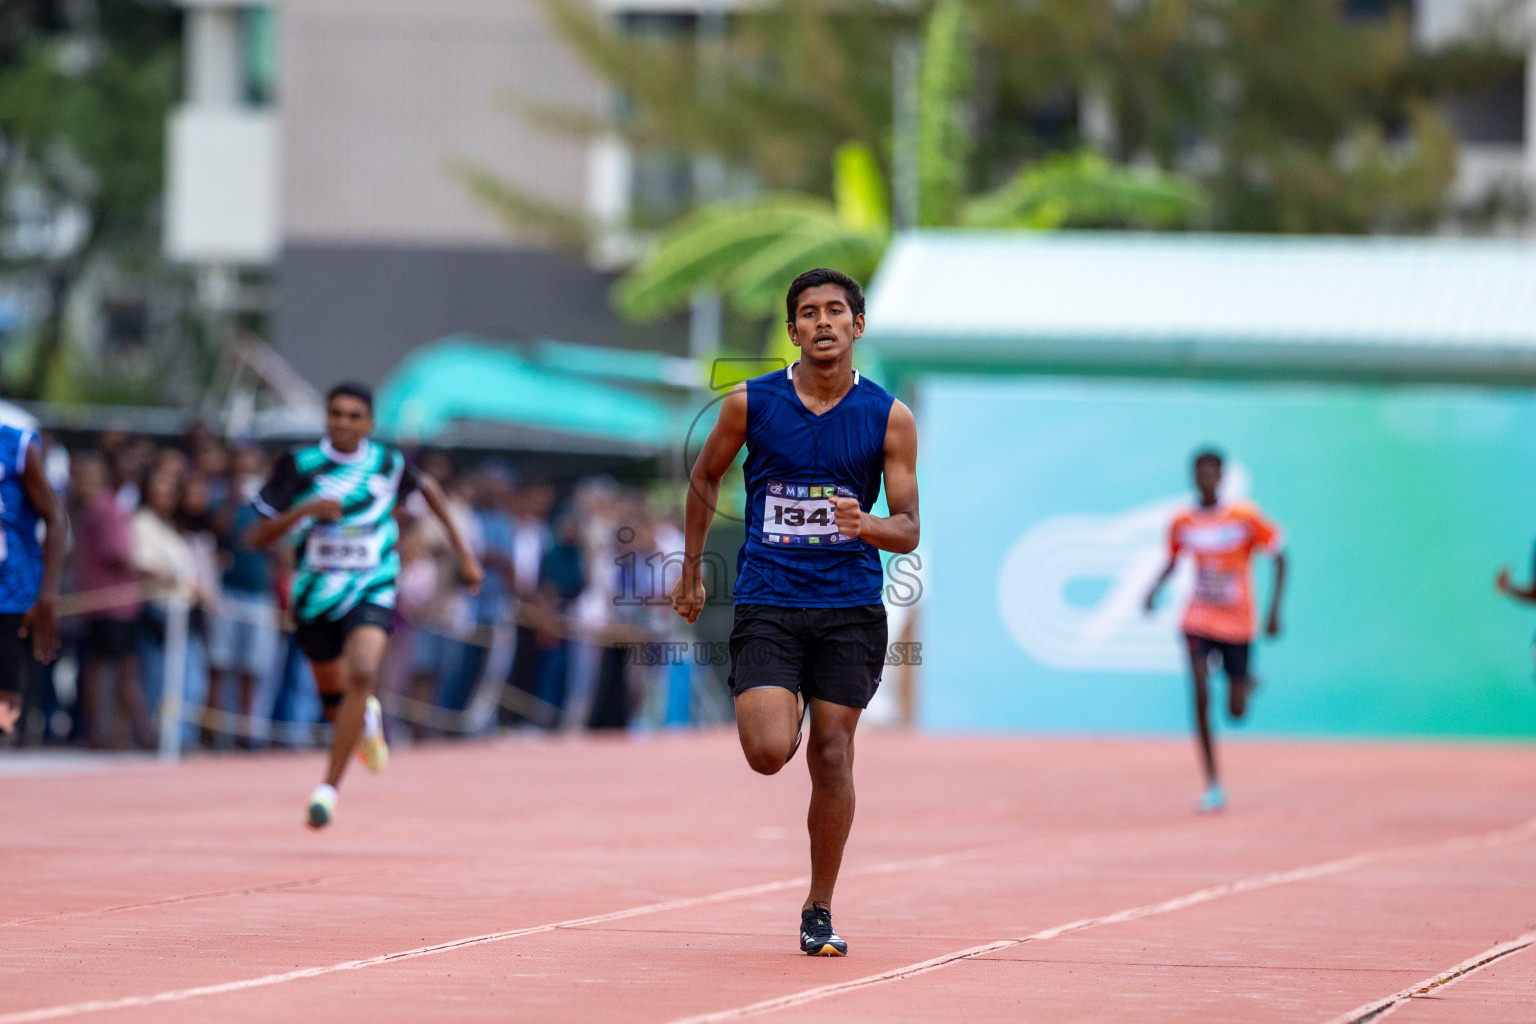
pixel 1219 620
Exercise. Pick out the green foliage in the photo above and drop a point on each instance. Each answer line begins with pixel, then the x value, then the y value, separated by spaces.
pixel 943 137
pixel 862 203
pixel 784 88
pixel 83 107
pixel 1084 190
pixel 750 249
pixel 1243 115
pixel 1293 116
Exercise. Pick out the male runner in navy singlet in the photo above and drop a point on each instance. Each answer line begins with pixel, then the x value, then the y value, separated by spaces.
pixel 810 630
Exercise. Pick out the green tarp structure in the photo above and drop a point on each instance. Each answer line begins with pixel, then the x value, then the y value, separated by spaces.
pixel 470 391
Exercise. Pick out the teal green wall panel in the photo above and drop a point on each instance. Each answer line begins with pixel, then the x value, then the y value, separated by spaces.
pixel 1045 503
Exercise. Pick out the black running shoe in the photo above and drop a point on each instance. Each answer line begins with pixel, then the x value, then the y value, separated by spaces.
pixel 816 935
pixel 800 732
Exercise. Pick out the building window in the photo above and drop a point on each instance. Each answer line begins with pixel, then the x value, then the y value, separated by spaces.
pixel 1493 115
pixel 662 185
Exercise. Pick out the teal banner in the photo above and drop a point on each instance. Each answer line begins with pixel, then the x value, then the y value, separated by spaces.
pixel 1045 507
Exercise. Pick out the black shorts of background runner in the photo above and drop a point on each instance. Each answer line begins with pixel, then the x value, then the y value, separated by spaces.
pixel 15 654
pixel 323 640
pixel 832 654
pixel 1234 657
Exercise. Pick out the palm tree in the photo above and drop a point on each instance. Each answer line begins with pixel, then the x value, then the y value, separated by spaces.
pixel 750 249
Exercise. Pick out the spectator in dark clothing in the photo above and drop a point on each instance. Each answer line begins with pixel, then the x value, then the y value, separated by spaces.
pixel 243 636
pixel 104 570
pixel 562 578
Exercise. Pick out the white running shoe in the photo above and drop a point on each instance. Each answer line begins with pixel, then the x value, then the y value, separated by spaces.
pixel 371 749
pixel 322 805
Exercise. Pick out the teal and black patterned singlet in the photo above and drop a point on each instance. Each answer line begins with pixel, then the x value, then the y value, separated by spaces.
pixel 354 560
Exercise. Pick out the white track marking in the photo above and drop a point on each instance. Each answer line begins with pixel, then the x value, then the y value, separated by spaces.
pixel 1215 892
pixel 1380 1008
pixel 178 995
pixel 936 860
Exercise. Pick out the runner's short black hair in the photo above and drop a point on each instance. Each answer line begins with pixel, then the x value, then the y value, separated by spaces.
pixel 1208 455
pixel 820 276
pixel 350 389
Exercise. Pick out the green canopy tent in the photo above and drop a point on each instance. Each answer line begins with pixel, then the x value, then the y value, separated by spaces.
pixel 469 392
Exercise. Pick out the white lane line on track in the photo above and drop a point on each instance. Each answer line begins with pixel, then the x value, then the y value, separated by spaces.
pixel 887 867
pixel 178 995
pixel 1374 1011
pixel 1199 896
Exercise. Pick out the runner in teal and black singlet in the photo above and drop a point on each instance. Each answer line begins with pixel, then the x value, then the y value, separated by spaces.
pixel 352 561
pixel 338 499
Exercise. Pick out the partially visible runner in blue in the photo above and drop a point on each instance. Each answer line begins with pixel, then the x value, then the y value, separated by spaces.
pixel 338 500
pixel 29 568
pixel 810 633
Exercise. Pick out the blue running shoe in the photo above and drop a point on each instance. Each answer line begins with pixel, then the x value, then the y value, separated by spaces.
pixel 1214 799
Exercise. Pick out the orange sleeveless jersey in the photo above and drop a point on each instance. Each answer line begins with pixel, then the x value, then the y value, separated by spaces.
pixel 1222 541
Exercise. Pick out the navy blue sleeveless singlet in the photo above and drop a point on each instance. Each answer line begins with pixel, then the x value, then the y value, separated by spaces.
pixel 794 556
pixel 21 557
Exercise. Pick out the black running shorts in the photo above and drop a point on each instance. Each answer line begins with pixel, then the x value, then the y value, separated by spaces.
pixel 323 640
pixel 1234 657
pixel 15 654
pixel 832 654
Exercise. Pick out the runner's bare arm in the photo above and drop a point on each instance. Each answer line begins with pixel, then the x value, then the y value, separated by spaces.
pixel 900 530
pixel 41 620
pixel 1272 627
pixel 1504 585
pixel 327 510
pixel 720 450
pixel 469 565
pixel 1162 577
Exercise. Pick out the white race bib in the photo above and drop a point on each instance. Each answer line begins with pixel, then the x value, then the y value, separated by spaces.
pixel 1216 587
pixel 800 514
pixel 345 548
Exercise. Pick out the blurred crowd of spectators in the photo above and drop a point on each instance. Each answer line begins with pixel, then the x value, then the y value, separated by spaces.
pixel 159 528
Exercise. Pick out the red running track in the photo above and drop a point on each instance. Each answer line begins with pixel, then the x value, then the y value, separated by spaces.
pixel 660 881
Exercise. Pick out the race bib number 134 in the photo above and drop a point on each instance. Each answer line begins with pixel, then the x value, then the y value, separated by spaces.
pixel 800 514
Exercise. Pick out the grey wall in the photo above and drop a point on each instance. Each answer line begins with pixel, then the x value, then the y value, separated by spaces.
pixel 354 311
pixel 380 98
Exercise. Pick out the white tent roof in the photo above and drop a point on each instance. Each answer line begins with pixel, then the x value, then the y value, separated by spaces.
pixel 1451 308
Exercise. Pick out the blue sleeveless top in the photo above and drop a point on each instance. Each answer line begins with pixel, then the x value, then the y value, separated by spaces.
pixel 21 557
pixel 793 556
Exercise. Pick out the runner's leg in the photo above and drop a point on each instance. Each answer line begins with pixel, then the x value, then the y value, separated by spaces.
pixel 1199 669
pixel 767 720
pixel 829 755
pixel 1240 680
pixel 353 675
